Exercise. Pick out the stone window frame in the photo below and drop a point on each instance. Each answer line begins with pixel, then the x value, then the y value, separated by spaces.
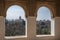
pixel 39 4
pixel 53 12
pixel 24 8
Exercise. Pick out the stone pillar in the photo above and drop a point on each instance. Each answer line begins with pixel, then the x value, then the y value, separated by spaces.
pixel 2 28
pixel 57 27
pixel 31 28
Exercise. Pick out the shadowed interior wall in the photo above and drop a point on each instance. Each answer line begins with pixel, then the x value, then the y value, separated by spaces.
pixel 31 7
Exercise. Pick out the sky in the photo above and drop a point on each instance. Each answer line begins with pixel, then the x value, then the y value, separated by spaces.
pixel 14 12
pixel 43 13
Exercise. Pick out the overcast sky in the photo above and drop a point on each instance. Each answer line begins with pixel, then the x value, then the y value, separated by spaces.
pixel 15 11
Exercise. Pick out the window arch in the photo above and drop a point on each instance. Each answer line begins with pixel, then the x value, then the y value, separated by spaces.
pixel 15 22
pixel 44 22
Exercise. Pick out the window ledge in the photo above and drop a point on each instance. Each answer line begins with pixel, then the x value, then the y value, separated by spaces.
pixel 44 35
pixel 13 37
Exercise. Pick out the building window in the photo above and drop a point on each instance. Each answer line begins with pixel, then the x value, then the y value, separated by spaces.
pixel 15 22
pixel 44 22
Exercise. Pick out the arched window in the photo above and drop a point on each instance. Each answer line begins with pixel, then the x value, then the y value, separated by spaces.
pixel 15 22
pixel 44 22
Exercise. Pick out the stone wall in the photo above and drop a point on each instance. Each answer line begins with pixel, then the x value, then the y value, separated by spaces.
pixel 31 30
